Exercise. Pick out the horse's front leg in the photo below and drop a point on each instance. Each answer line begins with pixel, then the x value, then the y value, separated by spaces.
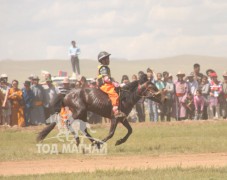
pixel 113 126
pixel 129 128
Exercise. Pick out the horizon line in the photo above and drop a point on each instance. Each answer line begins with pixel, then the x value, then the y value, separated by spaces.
pixel 115 58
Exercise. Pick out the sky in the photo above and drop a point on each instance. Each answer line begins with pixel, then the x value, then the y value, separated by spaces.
pixel 129 29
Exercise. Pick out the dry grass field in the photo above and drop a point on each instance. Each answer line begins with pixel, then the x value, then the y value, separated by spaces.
pixel 163 150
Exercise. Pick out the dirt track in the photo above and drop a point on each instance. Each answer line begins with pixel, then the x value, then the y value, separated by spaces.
pixel 92 163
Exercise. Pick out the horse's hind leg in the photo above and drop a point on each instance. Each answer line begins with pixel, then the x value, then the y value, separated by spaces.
pixel 113 126
pixel 128 126
pixel 93 141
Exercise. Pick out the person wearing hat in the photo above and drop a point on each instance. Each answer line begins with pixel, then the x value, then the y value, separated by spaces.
pixel 64 110
pixel 181 90
pixel 192 83
pixel 37 113
pixel 28 98
pixel 50 94
pixel 74 51
pixel 224 101
pixel 65 88
pixel 4 80
pixel 215 91
pixel 106 82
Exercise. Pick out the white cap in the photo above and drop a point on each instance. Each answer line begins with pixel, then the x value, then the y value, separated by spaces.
pixel 4 76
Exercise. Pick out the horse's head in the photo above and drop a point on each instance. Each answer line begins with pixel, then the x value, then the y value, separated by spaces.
pixel 150 91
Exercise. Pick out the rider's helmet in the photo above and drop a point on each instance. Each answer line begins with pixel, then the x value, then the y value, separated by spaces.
pixel 102 55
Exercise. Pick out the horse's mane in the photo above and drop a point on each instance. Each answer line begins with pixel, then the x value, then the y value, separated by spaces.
pixel 131 86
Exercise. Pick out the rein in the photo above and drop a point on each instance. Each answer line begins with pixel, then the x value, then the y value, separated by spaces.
pixel 139 91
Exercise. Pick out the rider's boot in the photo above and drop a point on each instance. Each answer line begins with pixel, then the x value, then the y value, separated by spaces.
pixel 117 113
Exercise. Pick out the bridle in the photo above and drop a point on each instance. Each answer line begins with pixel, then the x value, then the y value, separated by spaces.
pixel 147 89
pixel 141 94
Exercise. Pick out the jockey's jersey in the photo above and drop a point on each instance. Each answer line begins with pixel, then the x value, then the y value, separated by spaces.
pixel 103 70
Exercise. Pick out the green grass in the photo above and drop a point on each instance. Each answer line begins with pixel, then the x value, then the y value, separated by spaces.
pixel 176 173
pixel 148 138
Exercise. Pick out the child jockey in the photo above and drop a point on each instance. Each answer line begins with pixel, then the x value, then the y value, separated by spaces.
pixel 107 84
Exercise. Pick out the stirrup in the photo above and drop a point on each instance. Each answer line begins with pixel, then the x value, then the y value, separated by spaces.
pixel 119 114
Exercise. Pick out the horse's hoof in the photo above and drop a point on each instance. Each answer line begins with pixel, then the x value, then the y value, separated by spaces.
pixel 97 143
pixel 118 142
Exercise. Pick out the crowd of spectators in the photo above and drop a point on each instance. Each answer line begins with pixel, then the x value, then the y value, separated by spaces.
pixel 194 96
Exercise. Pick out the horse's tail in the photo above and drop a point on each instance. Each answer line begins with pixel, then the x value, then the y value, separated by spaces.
pixel 41 136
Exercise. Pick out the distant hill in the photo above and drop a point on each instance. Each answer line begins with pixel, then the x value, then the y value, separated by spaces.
pixel 20 70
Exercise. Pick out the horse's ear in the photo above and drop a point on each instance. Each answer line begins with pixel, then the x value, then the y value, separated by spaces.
pixel 143 79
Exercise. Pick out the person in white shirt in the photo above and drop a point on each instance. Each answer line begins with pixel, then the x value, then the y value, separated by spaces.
pixel 74 51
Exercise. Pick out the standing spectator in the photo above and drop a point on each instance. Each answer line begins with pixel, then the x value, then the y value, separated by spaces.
pixel 2 96
pixel 215 91
pixel 160 85
pixel 63 90
pixel 140 104
pixel 5 110
pixel 170 96
pixel 124 80
pixel 152 106
pixel 5 78
pixel 50 94
pixel 181 90
pixel 192 84
pixel 196 73
pixel 28 98
pixel 134 77
pixel 66 87
pixel 199 102
pixel 37 113
pixel 205 89
pixel 16 98
pixel 208 73
pixel 165 77
pixel 74 51
pixel 132 117
pixel 224 101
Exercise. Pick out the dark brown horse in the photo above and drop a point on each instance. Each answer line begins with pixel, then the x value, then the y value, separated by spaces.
pixel 80 101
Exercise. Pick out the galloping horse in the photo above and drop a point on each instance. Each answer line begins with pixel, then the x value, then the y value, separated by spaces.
pixel 82 100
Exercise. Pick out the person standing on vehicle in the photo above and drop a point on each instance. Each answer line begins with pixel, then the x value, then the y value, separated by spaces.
pixel 74 51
